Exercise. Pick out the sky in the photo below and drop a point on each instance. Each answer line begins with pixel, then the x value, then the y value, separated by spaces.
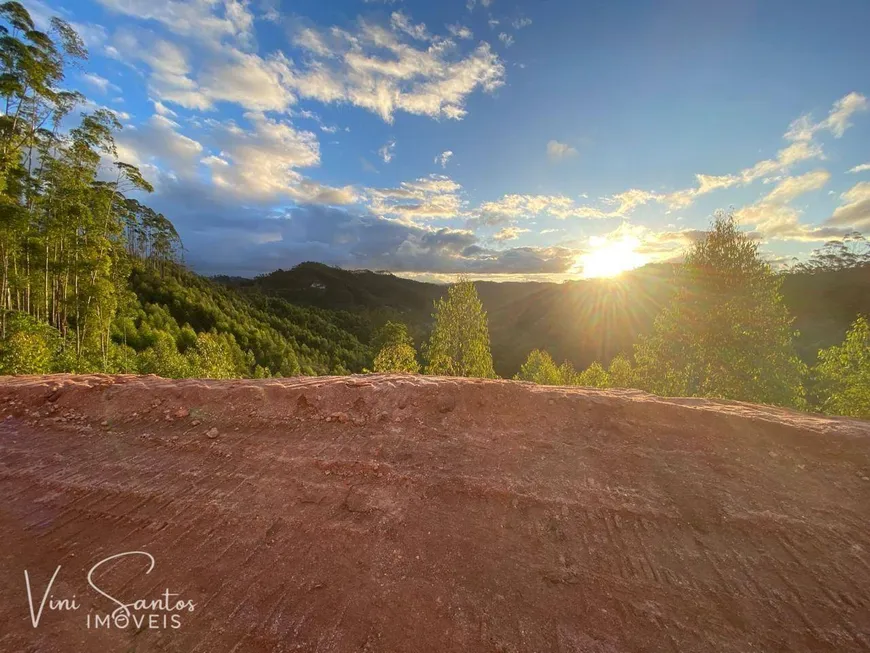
pixel 501 139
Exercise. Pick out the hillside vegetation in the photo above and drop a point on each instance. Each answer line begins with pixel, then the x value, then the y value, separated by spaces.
pixel 579 321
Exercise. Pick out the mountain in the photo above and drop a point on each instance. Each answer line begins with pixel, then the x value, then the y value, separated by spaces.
pixel 580 321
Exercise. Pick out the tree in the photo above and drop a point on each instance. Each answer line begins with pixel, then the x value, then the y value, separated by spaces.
pixel 391 333
pixel 726 333
pixel 395 350
pixel 396 359
pixel 568 374
pixel 459 344
pixel 594 376
pixel 843 374
pixel 164 359
pixel 620 373
pixel 212 358
pixel 540 368
pixel 851 251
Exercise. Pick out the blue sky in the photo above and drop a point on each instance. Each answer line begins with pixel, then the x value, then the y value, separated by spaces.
pixel 499 138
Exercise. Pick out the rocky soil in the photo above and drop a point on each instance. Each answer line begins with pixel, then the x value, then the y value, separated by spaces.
pixel 403 513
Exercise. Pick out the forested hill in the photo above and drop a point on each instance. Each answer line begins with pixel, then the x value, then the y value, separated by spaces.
pixel 580 321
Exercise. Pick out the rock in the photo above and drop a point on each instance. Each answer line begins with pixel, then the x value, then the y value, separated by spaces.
pixel 105 422
pixel 181 413
pixel 212 433
pixel 195 422
pixel 338 417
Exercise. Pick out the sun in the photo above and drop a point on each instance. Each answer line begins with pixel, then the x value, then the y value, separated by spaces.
pixel 609 258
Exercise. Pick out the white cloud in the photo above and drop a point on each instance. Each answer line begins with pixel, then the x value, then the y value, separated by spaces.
pixel 557 151
pixel 249 80
pixel 443 158
pixel 163 110
pixel 801 148
pixel 838 119
pixel 628 200
pixel 374 68
pixel 781 218
pixel 855 209
pixel 460 31
pixel 99 83
pixel 506 38
pixel 509 233
pixel 213 160
pixel 90 105
pixel 864 167
pixel 213 21
pixel 387 150
pixel 803 129
pixel 792 187
pixel 263 160
pixel 400 22
pixel 775 218
pixel 158 144
pixel 433 197
pixel 520 23
pixel 514 207
pixel 381 69
pixel 259 162
pixel 92 34
pixel 230 75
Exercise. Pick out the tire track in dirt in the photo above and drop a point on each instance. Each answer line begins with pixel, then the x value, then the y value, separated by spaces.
pixel 417 514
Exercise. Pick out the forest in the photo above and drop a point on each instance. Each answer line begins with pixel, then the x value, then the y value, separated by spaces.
pixel 92 280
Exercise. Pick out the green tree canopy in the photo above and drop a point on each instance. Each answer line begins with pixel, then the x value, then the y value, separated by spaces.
pixel 594 376
pixel 459 344
pixel 540 368
pixel 391 333
pixel 397 358
pixel 213 357
pixel 843 372
pixel 620 373
pixel 727 332
pixel 164 359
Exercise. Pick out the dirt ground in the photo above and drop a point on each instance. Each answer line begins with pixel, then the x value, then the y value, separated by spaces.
pixel 401 513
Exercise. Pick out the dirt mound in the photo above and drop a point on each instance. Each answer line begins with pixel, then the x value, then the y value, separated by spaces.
pixel 400 513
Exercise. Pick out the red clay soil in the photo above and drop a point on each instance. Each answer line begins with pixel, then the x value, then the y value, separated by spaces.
pixel 401 513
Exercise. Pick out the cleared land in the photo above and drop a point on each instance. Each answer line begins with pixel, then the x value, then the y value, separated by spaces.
pixel 409 513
